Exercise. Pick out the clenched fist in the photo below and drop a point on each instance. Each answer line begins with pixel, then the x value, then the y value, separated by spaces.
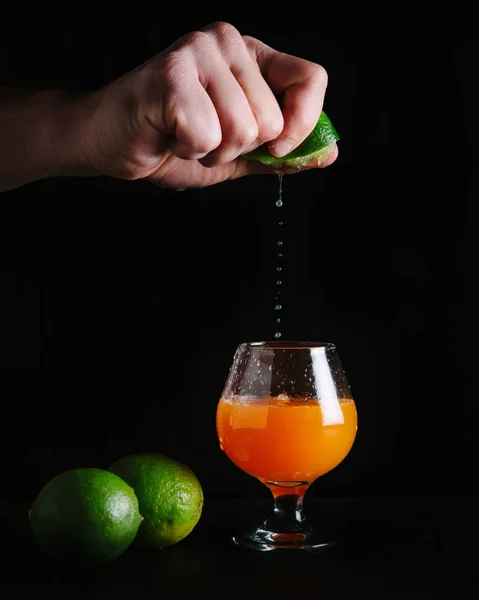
pixel 184 118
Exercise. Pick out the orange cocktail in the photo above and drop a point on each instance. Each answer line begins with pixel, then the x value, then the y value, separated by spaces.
pixel 286 443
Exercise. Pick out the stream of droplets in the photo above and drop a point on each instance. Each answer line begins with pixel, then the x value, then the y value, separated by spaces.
pixel 279 267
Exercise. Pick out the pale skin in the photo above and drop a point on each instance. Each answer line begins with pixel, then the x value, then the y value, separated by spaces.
pixel 181 120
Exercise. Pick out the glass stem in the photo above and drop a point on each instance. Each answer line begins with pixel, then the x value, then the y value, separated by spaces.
pixel 288 516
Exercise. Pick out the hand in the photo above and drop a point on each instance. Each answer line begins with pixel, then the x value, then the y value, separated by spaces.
pixel 184 118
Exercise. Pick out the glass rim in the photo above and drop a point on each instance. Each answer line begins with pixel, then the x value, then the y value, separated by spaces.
pixel 286 345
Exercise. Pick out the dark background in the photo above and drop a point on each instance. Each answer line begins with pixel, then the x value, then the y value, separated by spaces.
pixel 121 304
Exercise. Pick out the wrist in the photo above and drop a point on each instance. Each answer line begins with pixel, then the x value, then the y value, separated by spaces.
pixel 64 131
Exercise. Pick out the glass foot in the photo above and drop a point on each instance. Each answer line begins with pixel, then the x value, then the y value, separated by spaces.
pixel 287 528
pixel 265 540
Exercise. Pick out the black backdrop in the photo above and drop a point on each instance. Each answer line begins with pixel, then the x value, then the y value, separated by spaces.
pixel 121 304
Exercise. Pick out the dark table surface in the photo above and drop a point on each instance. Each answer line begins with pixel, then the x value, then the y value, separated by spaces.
pixel 387 547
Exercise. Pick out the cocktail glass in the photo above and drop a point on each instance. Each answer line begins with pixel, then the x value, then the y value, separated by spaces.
pixel 286 416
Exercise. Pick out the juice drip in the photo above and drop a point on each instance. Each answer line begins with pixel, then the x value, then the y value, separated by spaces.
pixel 278 307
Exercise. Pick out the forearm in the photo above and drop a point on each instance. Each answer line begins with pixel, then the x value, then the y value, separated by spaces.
pixel 40 136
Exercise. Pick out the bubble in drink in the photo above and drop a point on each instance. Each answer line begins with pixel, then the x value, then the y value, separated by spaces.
pixel 278 307
pixel 280 243
pixel 277 334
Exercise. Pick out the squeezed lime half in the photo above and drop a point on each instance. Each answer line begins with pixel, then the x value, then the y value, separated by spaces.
pixel 318 146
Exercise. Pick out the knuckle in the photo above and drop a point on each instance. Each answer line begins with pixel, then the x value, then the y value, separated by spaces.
pixel 171 65
pixel 249 41
pixel 194 149
pixel 319 75
pixel 169 71
pixel 211 143
pixel 244 136
pixel 207 143
pixel 251 46
pixel 270 129
pixel 224 30
pixel 196 39
pixel 193 139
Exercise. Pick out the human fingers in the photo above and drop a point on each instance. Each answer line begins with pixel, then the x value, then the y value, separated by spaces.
pixel 247 109
pixel 181 107
pixel 301 84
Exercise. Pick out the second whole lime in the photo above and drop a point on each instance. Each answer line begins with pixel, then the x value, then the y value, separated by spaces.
pixel 169 493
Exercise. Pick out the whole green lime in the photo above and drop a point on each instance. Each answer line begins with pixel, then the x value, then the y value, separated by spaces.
pixel 86 516
pixel 169 494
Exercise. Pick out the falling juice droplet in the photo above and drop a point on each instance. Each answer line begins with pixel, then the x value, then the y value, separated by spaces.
pixel 279 201
pixel 279 268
